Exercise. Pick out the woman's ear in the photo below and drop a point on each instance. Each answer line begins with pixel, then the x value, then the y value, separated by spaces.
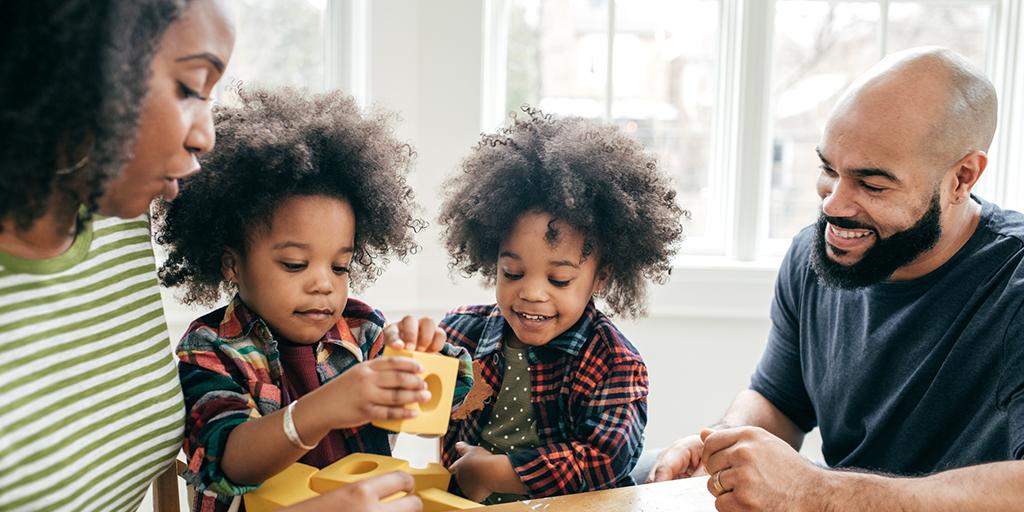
pixel 229 265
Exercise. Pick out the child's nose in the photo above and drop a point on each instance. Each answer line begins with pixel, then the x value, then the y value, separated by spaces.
pixel 321 283
pixel 533 291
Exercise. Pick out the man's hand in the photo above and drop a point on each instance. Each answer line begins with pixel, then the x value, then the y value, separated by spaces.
pixel 680 460
pixel 758 471
pixel 421 335
pixel 365 496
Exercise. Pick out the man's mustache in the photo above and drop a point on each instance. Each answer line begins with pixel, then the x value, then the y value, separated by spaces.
pixel 845 223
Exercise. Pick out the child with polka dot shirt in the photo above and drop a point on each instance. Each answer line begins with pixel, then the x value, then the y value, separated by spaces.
pixel 553 212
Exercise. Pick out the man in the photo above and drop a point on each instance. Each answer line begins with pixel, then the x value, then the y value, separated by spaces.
pixel 896 323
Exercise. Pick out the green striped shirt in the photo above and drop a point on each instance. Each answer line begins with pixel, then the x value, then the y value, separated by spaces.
pixel 90 405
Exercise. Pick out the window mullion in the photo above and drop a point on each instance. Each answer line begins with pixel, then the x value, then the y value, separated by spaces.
pixel 610 64
pixel 883 28
pixel 750 193
pixel 1004 184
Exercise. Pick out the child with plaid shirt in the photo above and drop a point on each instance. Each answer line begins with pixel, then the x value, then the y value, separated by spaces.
pixel 554 212
pixel 304 195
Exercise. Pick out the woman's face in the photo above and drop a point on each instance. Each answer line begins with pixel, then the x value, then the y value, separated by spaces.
pixel 175 124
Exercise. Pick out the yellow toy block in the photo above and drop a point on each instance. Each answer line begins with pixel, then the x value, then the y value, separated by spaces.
pixel 353 468
pixel 437 500
pixel 434 476
pixel 300 482
pixel 440 373
pixel 288 487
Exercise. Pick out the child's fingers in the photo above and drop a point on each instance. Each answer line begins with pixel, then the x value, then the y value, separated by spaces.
pixel 395 363
pixel 398 397
pixel 388 412
pixel 437 342
pixel 388 380
pixel 392 338
pixel 407 331
pixel 426 334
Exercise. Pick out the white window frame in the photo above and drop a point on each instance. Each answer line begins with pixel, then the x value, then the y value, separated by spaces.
pixel 742 134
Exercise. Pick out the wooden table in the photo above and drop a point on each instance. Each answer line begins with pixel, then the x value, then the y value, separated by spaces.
pixel 688 495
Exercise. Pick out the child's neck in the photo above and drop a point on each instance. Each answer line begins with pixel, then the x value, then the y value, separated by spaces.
pixel 512 341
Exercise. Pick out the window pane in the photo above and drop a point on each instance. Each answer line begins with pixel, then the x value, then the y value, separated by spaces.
pixel 277 43
pixel 820 47
pixel 557 56
pixel 963 28
pixel 665 67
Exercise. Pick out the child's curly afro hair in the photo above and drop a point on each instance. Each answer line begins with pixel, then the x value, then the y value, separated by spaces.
pixel 276 145
pixel 591 176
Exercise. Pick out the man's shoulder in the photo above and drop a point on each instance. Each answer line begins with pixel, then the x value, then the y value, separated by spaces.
pixel 1002 222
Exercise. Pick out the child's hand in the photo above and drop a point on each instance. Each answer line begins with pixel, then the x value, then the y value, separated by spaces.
pixel 377 389
pixel 471 471
pixel 409 334
pixel 680 460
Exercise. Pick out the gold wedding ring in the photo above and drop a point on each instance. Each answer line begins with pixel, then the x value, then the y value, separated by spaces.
pixel 716 483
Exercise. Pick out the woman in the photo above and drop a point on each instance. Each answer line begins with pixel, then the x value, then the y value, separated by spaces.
pixel 105 106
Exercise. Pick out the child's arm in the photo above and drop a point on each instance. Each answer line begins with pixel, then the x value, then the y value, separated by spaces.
pixel 480 473
pixel 376 389
pixel 232 448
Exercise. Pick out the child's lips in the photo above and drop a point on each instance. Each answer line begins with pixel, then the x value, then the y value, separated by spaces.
pixel 532 318
pixel 316 314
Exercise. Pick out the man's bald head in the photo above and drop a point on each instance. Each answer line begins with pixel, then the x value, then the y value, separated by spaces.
pixel 933 99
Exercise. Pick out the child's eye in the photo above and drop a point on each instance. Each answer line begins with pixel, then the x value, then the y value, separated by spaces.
pixel 338 269
pixel 560 284
pixel 293 267
pixel 189 92
pixel 510 276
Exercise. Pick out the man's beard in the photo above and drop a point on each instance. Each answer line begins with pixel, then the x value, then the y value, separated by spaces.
pixel 883 258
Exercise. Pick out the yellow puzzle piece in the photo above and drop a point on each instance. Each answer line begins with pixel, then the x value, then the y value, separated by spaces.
pixel 440 372
pixel 436 500
pixel 288 487
pixel 300 482
pixel 353 468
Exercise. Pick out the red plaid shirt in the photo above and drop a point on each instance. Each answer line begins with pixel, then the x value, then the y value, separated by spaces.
pixel 589 393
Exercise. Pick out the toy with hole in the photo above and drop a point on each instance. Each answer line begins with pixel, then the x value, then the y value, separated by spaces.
pixel 440 373
pixel 300 482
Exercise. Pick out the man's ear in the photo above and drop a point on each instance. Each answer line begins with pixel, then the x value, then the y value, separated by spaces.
pixel 966 174
pixel 229 265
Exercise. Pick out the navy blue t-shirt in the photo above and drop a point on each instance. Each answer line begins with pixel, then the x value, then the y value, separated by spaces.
pixel 907 377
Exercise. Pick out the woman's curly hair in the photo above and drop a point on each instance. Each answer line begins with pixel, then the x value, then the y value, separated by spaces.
pixel 591 176
pixel 73 74
pixel 276 145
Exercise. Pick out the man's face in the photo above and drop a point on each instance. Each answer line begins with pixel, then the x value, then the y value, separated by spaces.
pixel 881 203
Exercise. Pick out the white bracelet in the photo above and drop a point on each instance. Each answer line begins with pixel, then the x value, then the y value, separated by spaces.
pixel 289 429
